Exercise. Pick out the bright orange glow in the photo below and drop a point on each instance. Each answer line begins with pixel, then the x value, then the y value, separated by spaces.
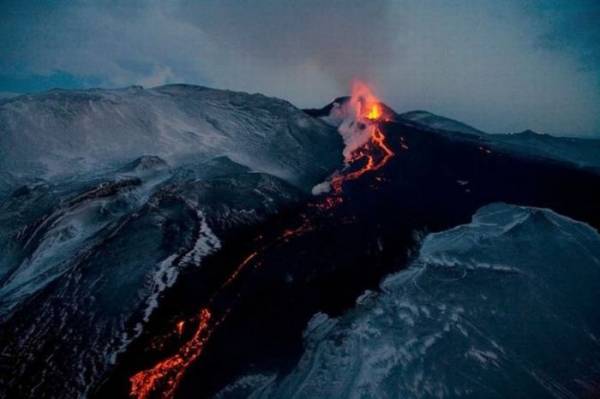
pixel 239 269
pixel 375 154
pixel 365 103
pixel 164 377
pixel 179 327
pixel 379 139
pixel 305 227
pixel 285 236
pixel 374 113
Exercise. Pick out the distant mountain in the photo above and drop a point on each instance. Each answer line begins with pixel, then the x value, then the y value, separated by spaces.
pixel 439 122
pixel 583 152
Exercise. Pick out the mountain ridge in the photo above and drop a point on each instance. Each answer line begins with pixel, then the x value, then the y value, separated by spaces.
pixel 84 131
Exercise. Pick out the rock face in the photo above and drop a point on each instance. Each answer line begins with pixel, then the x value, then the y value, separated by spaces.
pixel 108 195
pixel 504 306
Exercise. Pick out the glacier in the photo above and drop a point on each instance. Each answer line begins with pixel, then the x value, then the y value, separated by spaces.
pixel 505 306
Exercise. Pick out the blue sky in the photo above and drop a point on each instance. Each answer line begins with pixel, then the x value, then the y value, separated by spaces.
pixel 502 66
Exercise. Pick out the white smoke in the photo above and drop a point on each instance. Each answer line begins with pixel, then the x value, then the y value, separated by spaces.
pixel 355 133
pixel 321 188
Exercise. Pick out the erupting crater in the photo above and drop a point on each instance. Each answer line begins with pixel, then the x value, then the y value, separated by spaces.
pixel 366 113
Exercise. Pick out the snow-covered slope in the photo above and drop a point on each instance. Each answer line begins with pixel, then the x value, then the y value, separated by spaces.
pixel 438 122
pixel 106 196
pixel 583 152
pixel 84 263
pixel 505 306
pixel 61 133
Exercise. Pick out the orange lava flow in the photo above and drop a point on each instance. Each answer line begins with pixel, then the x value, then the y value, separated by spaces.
pixel 367 108
pixel 298 231
pixel 163 379
pixel 373 163
pixel 285 236
pixel 239 269
pixel 379 139
pixel 179 327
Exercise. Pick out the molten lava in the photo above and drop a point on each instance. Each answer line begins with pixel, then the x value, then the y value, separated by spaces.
pixel 162 379
pixel 366 105
pixel 239 269
pixel 179 327
pixel 369 112
pixel 374 113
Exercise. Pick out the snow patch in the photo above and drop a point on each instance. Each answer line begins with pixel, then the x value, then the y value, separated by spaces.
pixel 321 188
pixel 166 274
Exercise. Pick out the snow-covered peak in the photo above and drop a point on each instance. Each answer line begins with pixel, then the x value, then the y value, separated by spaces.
pixel 65 132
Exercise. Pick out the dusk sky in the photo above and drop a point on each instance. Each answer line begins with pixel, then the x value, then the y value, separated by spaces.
pixel 502 66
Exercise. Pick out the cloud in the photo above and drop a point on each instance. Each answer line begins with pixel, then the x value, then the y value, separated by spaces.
pixel 571 27
pixel 501 66
pixel 160 75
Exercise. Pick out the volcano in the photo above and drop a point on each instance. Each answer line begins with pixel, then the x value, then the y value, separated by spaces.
pixel 221 275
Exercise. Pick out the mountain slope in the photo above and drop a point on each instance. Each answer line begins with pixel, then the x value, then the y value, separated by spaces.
pixel 474 316
pixel 583 152
pixel 64 133
pixel 192 253
pixel 107 196
pixel 434 121
pixel 322 256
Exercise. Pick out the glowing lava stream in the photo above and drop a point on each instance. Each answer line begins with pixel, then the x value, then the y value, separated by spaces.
pixel 162 379
pixel 167 373
pixel 377 139
pixel 367 108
